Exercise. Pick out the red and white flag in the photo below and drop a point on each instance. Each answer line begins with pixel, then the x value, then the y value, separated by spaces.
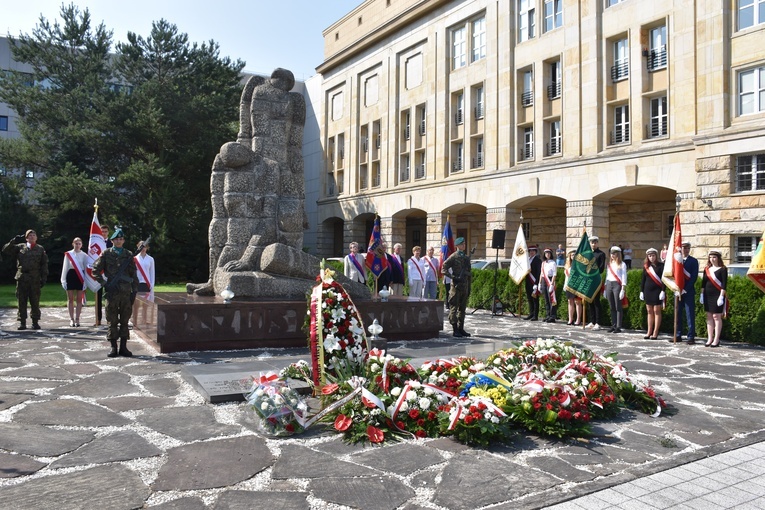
pixel 96 246
pixel 674 272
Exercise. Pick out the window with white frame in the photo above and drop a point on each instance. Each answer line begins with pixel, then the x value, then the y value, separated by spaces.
pixel 458 154
pixel 554 89
pixel 525 20
pixel 458 48
pixel 404 170
pixel 750 13
pixel 479 39
pixel 657 55
pixel 658 125
pixel 527 152
pixel 621 133
pixel 478 158
pixel 407 125
pixel 421 118
pixel 459 113
pixel 527 96
pixel 478 92
pixel 745 247
pixel 610 3
pixel 420 171
pixel 553 14
pixel 554 145
pixel 751 91
pixel 750 173
pixel 621 67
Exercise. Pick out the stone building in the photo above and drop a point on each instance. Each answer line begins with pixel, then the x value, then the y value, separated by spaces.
pixel 604 113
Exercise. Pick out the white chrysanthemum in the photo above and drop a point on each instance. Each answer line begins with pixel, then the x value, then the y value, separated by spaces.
pixel 494 419
pixel 428 391
pixel 411 395
pixel 395 391
pixel 497 361
pixel 404 407
pixel 464 373
pixel 415 384
pixel 424 404
pixel 478 367
pixel 264 406
pixel 374 367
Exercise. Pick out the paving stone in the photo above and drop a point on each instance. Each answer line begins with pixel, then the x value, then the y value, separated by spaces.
pixel 27 386
pixel 490 480
pixel 12 466
pixel 247 500
pixel 106 384
pixel 162 387
pixel 302 462
pixel 69 412
pixel 75 491
pixel 41 441
pixel 424 479
pixel 79 369
pixel 741 395
pixel 705 383
pixel 121 404
pixel 48 359
pixel 52 373
pixel 337 446
pixel 377 493
pixel 448 444
pixel 153 368
pixel 646 443
pixel 116 447
pixel 187 503
pixel 6 364
pixel 560 469
pixel 211 464
pixel 402 459
pixel 186 423
pixel 8 400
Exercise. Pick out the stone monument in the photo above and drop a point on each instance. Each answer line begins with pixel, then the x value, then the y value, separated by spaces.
pixel 258 195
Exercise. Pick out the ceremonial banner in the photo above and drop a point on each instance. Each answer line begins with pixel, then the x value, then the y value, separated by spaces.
pixel 674 272
pixel 519 265
pixel 376 260
pixel 96 246
pixel 756 271
pixel 585 280
pixel 447 242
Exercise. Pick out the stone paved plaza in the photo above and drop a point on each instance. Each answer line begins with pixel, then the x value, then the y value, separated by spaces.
pixel 79 430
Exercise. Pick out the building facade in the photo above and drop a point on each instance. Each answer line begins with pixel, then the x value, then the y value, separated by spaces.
pixel 557 115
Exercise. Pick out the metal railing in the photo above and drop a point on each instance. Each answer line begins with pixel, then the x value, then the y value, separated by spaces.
pixel 620 71
pixel 479 111
pixel 478 161
pixel 527 153
pixel 422 128
pixel 363 179
pixel 619 135
pixel 404 174
pixel 376 179
pixel 656 129
pixel 553 147
pixel 657 58
pixel 365 145
pixel 378 141
pixel 553 90
pixel 527 98
pixel 458 117
pixel 457 165
pixel 419 171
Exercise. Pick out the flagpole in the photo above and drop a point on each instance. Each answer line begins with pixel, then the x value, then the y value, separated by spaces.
pixel 677 297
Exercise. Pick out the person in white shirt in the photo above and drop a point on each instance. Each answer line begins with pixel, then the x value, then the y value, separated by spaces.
pixel 616 288
pixel 627 252
pixel 73 280
pixel 416 273
pixel 144 265
pixel 431 275
pixel 354 264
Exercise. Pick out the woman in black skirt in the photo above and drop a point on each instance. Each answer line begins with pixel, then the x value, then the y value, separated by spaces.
pixel 73 280
pixel 714 296
pixel 652 291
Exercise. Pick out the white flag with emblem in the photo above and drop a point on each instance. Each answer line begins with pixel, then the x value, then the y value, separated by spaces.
pixel 519 265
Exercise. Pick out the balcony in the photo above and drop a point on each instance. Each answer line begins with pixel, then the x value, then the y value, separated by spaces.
pixel 479 111
pixel 457 165
pixel 406 132
pixel 553 90
pixel 527 153
pixel 365 145
pixel 378 141
pixel 657 58
pixel 527 98
pixel 619 135
pixel 656 129
pixel 404 174
pixel 620 71
pixel 458 117
pixel 478 161
pixel 553 147
pixel 422 128
pixel 419 171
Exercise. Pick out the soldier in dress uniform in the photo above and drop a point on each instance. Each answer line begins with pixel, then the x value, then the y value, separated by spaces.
pixel 31 274
pixel 457 267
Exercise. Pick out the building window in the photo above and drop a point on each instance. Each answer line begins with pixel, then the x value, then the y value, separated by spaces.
pixel 554 89
pixel 458 115
pixel 419 171
pixel 621 133
pixel 413 67
pixel 657 54
pixel 478 102
pixel 669 225
pixel 526 225
pixel 621 67
pixel 751 91
pixel 554 145
pixel 407 122
pixel 525 20
pixel 29 174
pixel 527 152
pixel 3 123
pixel 404 171
pixel 610 3
pixel 750 13
pixel 458 48
pixel 658 126
pixel 478 159
pixel 363 177
pixel 750 173
pixel 421 126
pixel 479 39
pixel 553 14
pixel 527 96
pixel 745 247
pixel 375 175
pixel 371 91
pixel 458 153
pixel 337 106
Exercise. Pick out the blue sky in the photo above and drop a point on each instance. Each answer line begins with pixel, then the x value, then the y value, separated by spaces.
pixel 264 33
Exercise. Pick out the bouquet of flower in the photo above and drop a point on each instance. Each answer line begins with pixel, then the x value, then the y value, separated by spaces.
pixel 450 374
pixel 358 409
pixel 633 390
pixel 475 420
pixel 281 410
pixel 300 370
pixel 387 371
pixel 416 408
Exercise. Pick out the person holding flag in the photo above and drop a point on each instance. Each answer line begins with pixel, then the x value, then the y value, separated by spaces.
pixel 447 248
pixel 532 284
pixel 680 274
pixel 73 280
pixel 584 278
pixel 596 309
pixel 714 296
pixel 519 264
pixel 97 244
pixel 376 260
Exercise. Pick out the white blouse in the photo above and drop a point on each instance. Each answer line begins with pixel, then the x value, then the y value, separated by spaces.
pixel 81 259
pixel 620 270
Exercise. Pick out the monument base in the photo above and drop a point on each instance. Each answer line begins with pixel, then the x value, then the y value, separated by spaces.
pixel 176 322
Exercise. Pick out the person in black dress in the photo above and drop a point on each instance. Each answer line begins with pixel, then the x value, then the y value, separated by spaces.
pixel 714 296
pixel 652 291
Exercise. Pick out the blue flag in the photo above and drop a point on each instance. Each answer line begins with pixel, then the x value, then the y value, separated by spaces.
pixel 447 242
pixel 376 260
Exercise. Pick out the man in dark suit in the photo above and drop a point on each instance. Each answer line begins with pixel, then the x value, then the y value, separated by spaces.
pixel 687 305
pixel 596 310
pixel 532 285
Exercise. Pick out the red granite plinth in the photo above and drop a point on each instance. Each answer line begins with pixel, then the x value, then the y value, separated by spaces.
pixel 176 322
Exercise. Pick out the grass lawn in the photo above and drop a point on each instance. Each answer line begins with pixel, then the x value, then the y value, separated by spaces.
pixel 54 295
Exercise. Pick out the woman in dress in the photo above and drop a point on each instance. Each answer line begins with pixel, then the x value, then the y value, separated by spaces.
pixel 663 254
pixel 714 295
pixel 616 287
pixel 547 284
pixel 574 303
pixel 73 280
pixel 652 291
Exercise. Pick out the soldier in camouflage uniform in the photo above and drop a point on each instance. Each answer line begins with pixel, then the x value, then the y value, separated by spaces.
pixel 31 274
pixel 457 267
pixel 115 271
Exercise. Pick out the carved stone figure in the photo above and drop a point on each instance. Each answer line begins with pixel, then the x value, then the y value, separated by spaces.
pixel 258 194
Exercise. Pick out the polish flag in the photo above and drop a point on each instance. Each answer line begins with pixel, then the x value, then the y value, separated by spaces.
pixel 96 246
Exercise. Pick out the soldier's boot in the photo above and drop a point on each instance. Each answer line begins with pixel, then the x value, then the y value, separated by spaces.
pixel 457 333
pixel 113 352
pixel 462 330
pixel 22 325
pixel 123 349
pixel 35 324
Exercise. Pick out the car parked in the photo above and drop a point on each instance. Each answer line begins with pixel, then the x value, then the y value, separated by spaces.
pixel 490 263
pixel 738 269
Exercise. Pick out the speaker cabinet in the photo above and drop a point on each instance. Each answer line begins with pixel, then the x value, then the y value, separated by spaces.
pixel 498 240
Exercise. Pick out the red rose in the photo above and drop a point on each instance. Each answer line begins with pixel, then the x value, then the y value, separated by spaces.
pixel 401 425
pixel 431 415
pixel 469 419
pixel 289 427
pixel 342 423
pixel 421 434
pixel 537 406
pixel 414 414
pixel 329 389
pixel 375 435
pixel 421 422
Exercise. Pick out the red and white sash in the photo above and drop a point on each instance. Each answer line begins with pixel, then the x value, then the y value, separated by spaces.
pixel 614 275
pixel 76 267
pixel 417 265
pixel 652 273
pixel 550 287
pixel 143 273
pixel 717 283
pixel 435 271
pixel 358 266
